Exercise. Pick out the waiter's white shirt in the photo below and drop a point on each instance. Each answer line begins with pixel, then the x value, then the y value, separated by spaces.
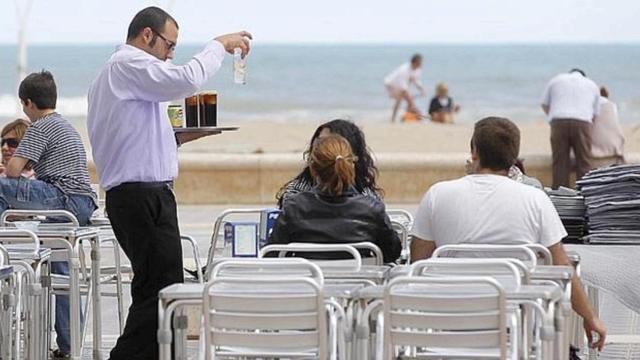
pixel 131 137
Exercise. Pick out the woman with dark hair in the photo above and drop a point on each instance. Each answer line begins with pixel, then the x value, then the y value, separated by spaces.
pixel 333 212
pixel 365 170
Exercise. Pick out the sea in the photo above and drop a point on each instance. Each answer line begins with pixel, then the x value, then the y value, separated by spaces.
pixel 315 83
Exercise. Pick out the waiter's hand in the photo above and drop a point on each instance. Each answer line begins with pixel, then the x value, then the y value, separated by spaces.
pixel 186 137
pixel 236 40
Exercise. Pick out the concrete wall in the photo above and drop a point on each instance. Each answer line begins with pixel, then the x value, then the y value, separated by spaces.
pixel 255 178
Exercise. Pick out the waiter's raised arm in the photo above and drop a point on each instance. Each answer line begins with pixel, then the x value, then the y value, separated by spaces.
pixel 150 79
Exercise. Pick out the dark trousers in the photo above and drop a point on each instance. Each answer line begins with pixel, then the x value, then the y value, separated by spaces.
pixel 567 135
pixel 144 220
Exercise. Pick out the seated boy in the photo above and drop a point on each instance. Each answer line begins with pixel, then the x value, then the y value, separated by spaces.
pixel 487 207
pixel 54 149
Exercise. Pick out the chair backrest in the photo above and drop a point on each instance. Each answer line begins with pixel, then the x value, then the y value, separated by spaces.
pixel 402 216
pixel 448 313
pixel 505 271
pixel 4 256
pixel 66 216
pixel 370 248
pixel 266 317
pixel 520 252
pixel 22 237
pixel 281 250
pixel 542 253
pixel 403 233
pixel 269 267
pixel 218 225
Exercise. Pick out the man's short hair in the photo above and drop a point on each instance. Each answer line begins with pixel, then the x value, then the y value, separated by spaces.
pixel 40 88
pixel 578 71
pixel 152 17
pixel 415 58
pixel 496 140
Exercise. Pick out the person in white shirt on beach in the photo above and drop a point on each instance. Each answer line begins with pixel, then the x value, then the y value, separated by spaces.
pixel 607 140
pixel 398 81
pixel 487 207
pixel 570 101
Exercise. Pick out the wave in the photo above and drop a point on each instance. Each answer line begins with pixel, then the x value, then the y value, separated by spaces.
pixel 69 106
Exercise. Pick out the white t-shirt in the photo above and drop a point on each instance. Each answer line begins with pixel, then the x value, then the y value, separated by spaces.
pixel 571 96
pixel 399 78
pixel 487 209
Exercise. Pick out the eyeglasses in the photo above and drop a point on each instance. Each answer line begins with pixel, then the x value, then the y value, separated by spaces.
pixel 12 143
pixel 170 44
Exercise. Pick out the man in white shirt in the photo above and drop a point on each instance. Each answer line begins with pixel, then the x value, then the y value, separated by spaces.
pixel 489 208
pixel 135 152
pixel 571 102
pixel 398 81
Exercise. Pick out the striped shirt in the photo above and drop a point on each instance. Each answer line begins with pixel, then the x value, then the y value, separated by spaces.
pixel 56 151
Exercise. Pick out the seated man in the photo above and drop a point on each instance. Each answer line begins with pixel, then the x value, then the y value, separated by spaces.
pixel 488 207
pixel 54 149
pixel 441 107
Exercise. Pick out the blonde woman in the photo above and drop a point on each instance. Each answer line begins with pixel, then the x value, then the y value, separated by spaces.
pixel 334 212
pixel 11 135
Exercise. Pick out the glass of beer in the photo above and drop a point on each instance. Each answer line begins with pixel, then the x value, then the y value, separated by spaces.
pixel 202 109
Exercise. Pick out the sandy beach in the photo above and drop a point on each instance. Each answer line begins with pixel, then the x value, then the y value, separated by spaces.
pixel 277 137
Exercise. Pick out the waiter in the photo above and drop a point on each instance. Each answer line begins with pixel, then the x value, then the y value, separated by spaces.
pixel 135 152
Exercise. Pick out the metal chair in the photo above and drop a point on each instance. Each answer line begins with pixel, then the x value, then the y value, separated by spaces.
pixel 456 317
pixel 31 267
pixel 265 317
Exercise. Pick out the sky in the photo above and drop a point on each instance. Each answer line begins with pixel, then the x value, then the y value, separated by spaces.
pixel 338 21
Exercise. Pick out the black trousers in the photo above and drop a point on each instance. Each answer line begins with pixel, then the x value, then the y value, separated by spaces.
pixel 144 220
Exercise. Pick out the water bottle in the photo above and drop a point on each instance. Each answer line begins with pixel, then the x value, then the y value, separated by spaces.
pixel 239 67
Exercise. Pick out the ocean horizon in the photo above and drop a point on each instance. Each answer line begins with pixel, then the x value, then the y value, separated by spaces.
pixel 316 82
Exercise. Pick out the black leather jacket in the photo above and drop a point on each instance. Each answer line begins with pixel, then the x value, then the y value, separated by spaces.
pixel 313 217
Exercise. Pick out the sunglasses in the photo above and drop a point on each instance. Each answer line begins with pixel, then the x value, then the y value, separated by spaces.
pixel 12 143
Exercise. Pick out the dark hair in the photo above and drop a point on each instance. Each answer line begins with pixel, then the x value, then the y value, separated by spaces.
pixel 604 92
pixel 415 58
pixel 152 17
pixel 332 161
pixel 578 71
pixel 366 170
pixel 40 88
pixel 497 142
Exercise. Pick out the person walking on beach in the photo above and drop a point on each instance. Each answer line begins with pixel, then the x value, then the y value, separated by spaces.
pixel 135 152
pixel 571 101
pixel 398 81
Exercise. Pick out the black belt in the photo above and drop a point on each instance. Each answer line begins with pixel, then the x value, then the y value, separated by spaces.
pixel 142 185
